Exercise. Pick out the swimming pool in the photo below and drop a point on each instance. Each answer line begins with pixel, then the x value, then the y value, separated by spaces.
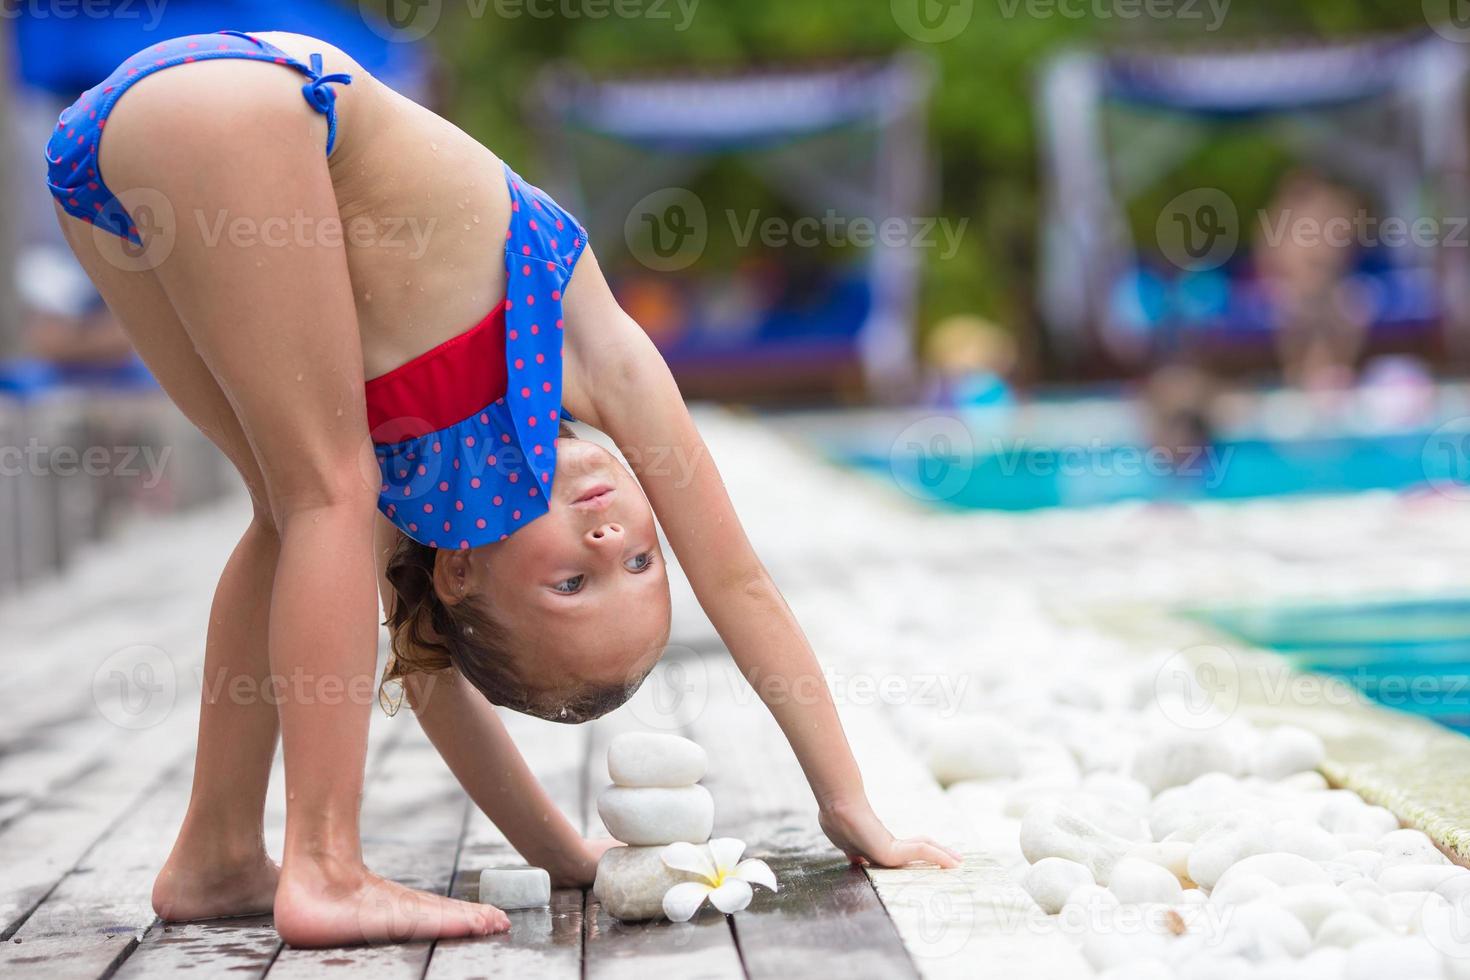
pixel 1088 452
pixel 1409 655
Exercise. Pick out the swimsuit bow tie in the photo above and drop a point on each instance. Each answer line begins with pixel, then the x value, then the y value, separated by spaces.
pixel 324 98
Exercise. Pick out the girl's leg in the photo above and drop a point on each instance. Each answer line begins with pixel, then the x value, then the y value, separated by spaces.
pixel 219 864
pixel 273 318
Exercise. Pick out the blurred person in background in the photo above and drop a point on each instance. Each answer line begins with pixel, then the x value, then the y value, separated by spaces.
pixel 1306 265
pixel 968 362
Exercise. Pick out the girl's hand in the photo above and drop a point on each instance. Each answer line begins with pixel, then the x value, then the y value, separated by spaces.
pixel 859 834
pixel 581 867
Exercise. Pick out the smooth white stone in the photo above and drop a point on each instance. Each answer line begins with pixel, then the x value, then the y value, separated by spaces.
pixel 655 759
pixel 1215 968
pixel 1341 871
pixel 1175 758
pixel 1243 889
pixel 1052 879
pixel 1311 904
pixel 974 748
pixel 1303 782
pixel 1325 963
pixel 1284 869
pixel 1368 862
pixel 1408 846
pixel 1346 813
pixel 1286 751
pixel 1260 932
pixel 1306 839
pixel 1137 882
pixel 515 888
pixel 1233 839
pixel 1139 970
pixel 652 816
pixel 631 882
pixel 1120 789
pixel 1398 957
pixel 1417 877
pixel 1347 929
pixel 1405 909
pixel 1026 793
pixel 1173 856
pixel 1053 830
pixel 1374 905
pixel 1358 842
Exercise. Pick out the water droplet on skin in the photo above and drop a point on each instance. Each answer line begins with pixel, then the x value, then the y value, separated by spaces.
pixel 299 377
pixel 434 147
pixel 367 297
pixel 466 227
pixel 339 413
pixel 477 218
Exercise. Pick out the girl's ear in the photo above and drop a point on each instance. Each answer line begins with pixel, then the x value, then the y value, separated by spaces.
pixel 451 575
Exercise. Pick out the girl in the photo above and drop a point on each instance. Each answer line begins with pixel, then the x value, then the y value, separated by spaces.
pixel 268 255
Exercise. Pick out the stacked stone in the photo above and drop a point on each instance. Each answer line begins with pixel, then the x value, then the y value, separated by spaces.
pixel 655 800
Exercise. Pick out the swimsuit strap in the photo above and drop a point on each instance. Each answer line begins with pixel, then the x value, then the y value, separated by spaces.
pixel 322 98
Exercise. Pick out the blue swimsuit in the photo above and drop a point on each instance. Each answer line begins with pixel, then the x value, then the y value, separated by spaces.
pixel 465 435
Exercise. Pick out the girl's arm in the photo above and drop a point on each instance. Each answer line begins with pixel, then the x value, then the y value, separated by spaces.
pixel 616 380
pixel 474 743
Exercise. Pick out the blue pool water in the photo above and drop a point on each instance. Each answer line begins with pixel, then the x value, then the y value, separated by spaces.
pixel 992 473
pixel 1413 656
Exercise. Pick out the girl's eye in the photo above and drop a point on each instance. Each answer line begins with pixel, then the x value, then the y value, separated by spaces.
pixel 639 563
pixel 571 586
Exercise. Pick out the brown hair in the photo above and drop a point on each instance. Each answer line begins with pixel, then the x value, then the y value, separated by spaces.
pixel 428 636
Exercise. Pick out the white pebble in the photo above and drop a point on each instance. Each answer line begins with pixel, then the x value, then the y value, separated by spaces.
pixel 1417 877
pixel 1287 750
pixel 1053 830
pixel 1118 788
pixel 1306 839
pixel 1137 882
pixel 1401 958
pixel 515 888
pixel 655 759
pixel 1234 838
pixel 652 816
pixel 1408 846
pixel 1171 855
pixel 974 748
pixel 1178 757
pixel 1241 889
pixel 1311 904
pixel 1052 879
pixel 1260 932
pixel 1284 869
pixel 1347 929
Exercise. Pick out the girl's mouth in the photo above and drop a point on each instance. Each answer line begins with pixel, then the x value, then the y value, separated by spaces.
pixel 598 497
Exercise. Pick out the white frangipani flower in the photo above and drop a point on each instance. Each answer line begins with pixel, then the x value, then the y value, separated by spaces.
pixel 724 879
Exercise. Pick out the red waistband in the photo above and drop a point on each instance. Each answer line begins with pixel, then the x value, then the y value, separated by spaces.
pixel 441 386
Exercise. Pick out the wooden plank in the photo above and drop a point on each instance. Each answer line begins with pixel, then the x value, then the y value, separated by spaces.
pixel 94 916
pixel 825 918
pixel 541 942
pixel 702 948
pixel 245 946
pixel 412 818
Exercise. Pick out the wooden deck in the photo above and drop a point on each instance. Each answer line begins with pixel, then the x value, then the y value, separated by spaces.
pixel 95 759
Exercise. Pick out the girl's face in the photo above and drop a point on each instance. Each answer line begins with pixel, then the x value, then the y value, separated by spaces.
pixel 583 587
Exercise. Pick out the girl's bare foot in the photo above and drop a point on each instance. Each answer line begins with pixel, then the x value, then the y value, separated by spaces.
pixel 189 888
pixel 328 904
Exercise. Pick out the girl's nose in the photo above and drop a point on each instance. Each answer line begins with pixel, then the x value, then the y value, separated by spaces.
pixel 605 534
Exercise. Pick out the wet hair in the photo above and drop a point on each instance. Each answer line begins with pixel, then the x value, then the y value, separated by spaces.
pixel 429 636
